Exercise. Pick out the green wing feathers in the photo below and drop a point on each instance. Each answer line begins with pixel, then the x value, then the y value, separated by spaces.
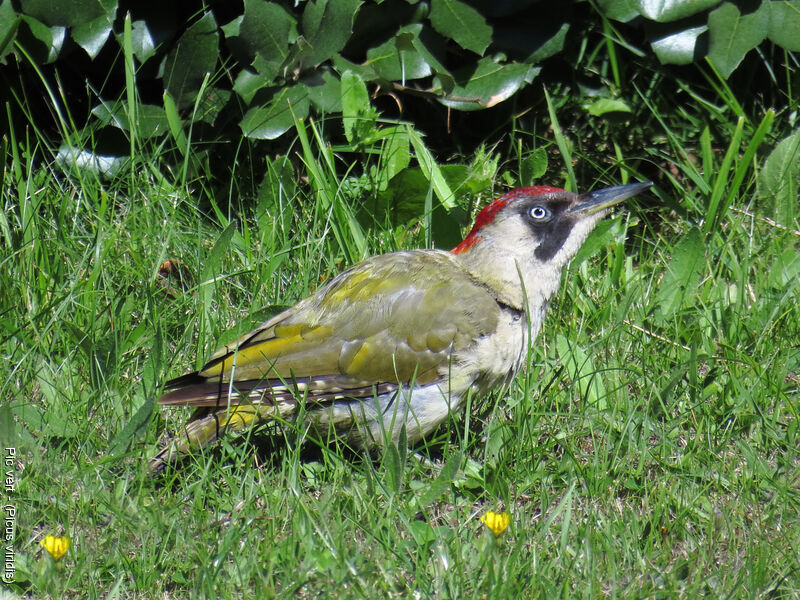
pixel 373 323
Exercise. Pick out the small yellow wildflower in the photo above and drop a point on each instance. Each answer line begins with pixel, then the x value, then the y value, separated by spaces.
pixel 56 546
pixel 496 522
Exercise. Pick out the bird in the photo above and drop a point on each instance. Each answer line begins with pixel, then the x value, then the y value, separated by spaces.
pixel 393 345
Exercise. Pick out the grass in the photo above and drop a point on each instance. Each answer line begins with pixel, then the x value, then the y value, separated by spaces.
pixel 649 451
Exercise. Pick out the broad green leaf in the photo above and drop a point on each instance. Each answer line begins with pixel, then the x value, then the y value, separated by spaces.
pixel 92 36
pixel 683 274
pixel 550 46
pixel 273 120
pixel 342 65
pixel 779 179
pixel 784 24
pixel 9 21
pixel 46 42
pixel 732 35
pixel 358 117
pixel 489 84
pixel 247 84
pixel 582 371
pixel 152 119
pixel 395 154
pixel 144 46
pixel 678 48
pixel 327 25
pixel 194 56
pixel 672 10
pixel 324 91
pixel 398 60
pixel 603 106
pixel 430 47
pixel 533 166
pixel 265 32
pixel 232 28
pixel 461 23
pixel 619 10
pixel 536 37
pixel 65 14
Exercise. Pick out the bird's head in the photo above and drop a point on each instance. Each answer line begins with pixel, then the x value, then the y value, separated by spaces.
pixel 533 232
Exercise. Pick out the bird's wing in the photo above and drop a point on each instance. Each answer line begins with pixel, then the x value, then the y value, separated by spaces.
pixel 393 319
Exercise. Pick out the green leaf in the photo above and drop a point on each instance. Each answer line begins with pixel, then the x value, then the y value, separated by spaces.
pixel 273 120
pixel 395 154
pixel 428 44
pixel 46 42
pixel 327 25
pixel 672 10
pixel 732 35
pixel 779 178
pixel 784 24
pixel 194 56
pixel 247 84
pixel 679 283
pixel 144 46
pixel 265 32
pixel 619 10
pixel 358 117
pixel 152 121
pixel 488 84
pixel 678 48
pixel 533 166
pixel 65 14
pixel 534 37
pixel 9 21
pixel 461 23
pixel 92 35
pixel 603 106
pixel 324 91
pixel 398 59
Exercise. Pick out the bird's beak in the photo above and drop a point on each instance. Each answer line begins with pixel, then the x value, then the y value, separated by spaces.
pixel 593 202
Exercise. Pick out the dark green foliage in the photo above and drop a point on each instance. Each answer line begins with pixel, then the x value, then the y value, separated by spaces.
pixel 284 60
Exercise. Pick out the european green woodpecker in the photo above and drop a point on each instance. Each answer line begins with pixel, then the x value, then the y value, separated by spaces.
pixel 399 340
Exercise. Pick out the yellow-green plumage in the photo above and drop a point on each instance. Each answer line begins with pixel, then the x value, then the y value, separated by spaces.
pixel 377 323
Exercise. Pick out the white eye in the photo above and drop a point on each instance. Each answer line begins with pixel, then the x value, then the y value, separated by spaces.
pixel 539 213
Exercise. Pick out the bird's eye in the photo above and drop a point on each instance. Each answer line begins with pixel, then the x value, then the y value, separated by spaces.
pixel 539 214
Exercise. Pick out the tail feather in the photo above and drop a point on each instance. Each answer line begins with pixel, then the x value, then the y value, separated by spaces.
pixel 208 428
pixel 221 407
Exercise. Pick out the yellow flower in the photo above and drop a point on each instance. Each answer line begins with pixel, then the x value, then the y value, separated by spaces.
pixel 496 522
pixel 56 546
